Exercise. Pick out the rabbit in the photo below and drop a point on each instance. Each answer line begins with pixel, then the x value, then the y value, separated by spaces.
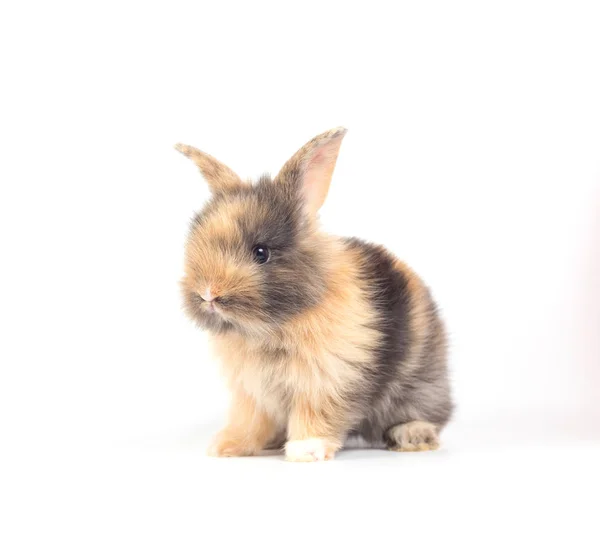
pixel 320 338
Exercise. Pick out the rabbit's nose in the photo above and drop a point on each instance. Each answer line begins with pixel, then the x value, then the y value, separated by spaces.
pixel 208 295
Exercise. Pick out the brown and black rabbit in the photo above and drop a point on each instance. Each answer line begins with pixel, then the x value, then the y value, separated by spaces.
pixel 320 337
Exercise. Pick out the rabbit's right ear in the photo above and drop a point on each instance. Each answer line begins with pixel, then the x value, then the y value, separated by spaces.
pixel 218 176
pixel 309 171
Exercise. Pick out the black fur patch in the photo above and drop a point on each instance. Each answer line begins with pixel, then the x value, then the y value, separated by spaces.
pixel 391 298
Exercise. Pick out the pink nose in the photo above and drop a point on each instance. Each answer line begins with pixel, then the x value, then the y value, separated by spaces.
pixel 207 295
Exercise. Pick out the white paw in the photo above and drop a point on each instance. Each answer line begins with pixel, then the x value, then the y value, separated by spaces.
pixel 309 450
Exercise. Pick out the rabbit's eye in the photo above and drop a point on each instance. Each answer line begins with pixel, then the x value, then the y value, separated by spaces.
pixel 261 254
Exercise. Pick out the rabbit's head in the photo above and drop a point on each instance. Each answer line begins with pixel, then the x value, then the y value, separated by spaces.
pixel 254 257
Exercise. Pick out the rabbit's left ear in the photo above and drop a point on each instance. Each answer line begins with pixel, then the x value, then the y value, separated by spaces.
pixel 309 171
pixel 219 177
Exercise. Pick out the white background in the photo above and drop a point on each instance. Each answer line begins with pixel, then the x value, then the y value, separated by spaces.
pixel 472 153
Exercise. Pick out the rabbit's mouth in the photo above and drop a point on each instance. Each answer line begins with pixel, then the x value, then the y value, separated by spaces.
pixel 210 306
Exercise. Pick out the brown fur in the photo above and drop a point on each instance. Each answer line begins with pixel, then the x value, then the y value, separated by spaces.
pixel 249 429
pixel 304 341
pixel 219 177
pixel 313 373
pixel 420 313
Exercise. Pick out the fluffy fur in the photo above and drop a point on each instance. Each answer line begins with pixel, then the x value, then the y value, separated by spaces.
pixel 331 337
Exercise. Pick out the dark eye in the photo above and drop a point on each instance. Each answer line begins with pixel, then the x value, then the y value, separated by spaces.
pixel 261 254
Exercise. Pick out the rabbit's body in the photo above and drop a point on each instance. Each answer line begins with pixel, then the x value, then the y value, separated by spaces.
pixel 321 337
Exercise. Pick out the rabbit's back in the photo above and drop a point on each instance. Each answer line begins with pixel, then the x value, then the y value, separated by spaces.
pixel 412 375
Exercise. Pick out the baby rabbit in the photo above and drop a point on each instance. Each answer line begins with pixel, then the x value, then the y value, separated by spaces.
pixel 320 337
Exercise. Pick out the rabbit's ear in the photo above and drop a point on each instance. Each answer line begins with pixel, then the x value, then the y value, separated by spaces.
pixel 218 176
pixel 311 168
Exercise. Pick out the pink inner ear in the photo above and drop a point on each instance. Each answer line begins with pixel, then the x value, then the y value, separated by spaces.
pixel 317 176
pixel 318 158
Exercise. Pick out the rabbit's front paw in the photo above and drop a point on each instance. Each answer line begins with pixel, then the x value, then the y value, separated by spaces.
pixel 226 444
pixel 309 450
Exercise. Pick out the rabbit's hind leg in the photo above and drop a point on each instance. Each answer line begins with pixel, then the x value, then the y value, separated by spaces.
pixel 412 436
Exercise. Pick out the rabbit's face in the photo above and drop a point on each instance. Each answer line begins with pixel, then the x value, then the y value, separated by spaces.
pixel 251 260
pixel 253 257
